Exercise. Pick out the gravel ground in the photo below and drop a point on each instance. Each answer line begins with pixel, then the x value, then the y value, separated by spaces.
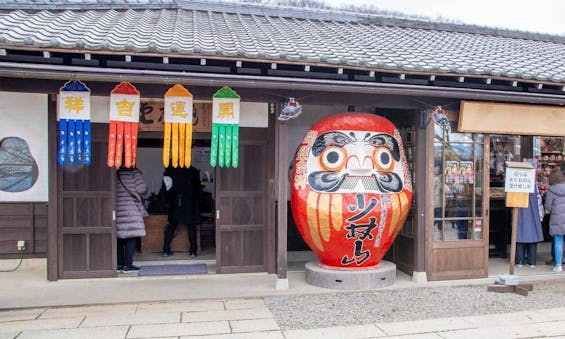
pixel 336 309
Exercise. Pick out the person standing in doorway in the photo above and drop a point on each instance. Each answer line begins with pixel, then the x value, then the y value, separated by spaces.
pixel 529 231
pixel 130 190
pixel 183 186
pixel 555 206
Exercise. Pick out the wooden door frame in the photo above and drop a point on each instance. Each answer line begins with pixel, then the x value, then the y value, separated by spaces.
pixel 429 215
pixel 53 207
pixel 269 246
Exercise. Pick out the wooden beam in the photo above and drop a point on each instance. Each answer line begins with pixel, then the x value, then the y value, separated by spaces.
pixel 52 205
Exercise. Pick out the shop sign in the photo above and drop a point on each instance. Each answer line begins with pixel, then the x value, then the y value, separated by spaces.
pixel 152 112
pixel 519 179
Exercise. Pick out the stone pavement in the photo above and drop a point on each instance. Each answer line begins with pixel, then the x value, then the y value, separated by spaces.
pixel 249 319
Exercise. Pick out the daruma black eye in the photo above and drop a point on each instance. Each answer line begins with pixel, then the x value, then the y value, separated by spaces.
pixel 383 158
pixel 332 159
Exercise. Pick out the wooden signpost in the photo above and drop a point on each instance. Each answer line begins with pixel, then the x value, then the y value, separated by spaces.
pixel 519 182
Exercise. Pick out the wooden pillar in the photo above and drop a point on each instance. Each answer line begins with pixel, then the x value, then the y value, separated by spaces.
pixel 282 197
pixel 513 239
pixel 421 194
pixel 52 208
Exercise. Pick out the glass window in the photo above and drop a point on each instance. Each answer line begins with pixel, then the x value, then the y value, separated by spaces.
pixel 458 185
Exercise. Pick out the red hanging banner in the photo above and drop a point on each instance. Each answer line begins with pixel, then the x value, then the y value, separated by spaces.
pixel 124 118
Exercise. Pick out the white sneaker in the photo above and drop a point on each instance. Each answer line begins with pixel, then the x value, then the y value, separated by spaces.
pixel 532 266
pixel 518 265
pixel 558 269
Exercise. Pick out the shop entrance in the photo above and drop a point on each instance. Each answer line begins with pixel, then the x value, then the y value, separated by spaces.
pixel 233 233
pixel 150 247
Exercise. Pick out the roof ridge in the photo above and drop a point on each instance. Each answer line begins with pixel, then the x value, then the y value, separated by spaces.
pixel 245 8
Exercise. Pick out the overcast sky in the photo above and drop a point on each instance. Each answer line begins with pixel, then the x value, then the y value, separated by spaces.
pixel 544 16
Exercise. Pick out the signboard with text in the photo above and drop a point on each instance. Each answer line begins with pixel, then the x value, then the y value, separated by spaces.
pixel 520 179
pixel 151 115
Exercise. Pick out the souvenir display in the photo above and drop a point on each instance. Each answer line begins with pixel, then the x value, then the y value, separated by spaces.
pixel 124 118
pixel 225 128
pixel 351 189
pixel 74 124
pixel 178 127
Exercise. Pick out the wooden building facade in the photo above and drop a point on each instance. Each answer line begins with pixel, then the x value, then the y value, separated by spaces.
pixel 73 227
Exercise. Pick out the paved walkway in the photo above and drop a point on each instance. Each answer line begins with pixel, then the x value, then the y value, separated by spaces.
pixel 249 319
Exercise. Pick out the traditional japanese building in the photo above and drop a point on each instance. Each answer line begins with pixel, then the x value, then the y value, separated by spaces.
pixel 448 88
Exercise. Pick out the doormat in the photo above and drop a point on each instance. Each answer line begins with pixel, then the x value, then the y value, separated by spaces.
pixel 173 269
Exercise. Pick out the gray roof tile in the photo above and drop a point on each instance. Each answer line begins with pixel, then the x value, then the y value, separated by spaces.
pixel 294 36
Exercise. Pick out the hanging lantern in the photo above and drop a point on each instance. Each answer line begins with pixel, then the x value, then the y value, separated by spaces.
pixel 178 127
pixel 225 128
pixel 124 117
pixel 74 124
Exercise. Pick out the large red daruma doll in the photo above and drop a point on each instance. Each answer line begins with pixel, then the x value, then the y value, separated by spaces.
pixel 351 189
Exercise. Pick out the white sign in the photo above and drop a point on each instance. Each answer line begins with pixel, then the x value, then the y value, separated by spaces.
pixel 74 105
pixel 520 180
pixel 124 107
pixel 225 111
pixel 178 109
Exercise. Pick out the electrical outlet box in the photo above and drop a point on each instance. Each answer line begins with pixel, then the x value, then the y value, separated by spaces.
pixel 21 245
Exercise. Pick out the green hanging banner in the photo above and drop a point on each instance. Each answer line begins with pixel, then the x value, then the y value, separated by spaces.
pixel 225 128
pixel 235 145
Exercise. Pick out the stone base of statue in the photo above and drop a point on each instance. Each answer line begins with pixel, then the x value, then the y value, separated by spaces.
pixel 384 274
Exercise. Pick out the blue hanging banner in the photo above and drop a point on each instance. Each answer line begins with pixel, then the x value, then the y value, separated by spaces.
pixel 74 124
pixel 62 154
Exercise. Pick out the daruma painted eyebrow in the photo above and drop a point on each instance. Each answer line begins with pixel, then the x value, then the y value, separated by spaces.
pixel 336 138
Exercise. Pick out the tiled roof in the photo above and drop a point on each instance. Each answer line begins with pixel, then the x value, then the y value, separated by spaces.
pixel 246 32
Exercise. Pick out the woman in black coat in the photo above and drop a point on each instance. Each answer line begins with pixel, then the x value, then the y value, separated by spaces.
pixel 184 201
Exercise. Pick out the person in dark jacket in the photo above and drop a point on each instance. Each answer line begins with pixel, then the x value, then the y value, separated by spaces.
pixel 184 199
pixel 555 206
pixel 130 191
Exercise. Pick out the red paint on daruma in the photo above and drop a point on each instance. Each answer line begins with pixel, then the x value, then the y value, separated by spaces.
pixel 350 189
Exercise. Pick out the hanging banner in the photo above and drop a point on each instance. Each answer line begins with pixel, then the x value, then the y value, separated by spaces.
pixel 74 124
pixel 178 127
pixel 124 118
pixel 225 128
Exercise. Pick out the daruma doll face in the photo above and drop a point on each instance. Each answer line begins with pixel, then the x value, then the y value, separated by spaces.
pixel 351 189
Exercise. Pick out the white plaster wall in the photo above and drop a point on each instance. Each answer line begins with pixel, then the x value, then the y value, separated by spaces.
pixel 24 115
